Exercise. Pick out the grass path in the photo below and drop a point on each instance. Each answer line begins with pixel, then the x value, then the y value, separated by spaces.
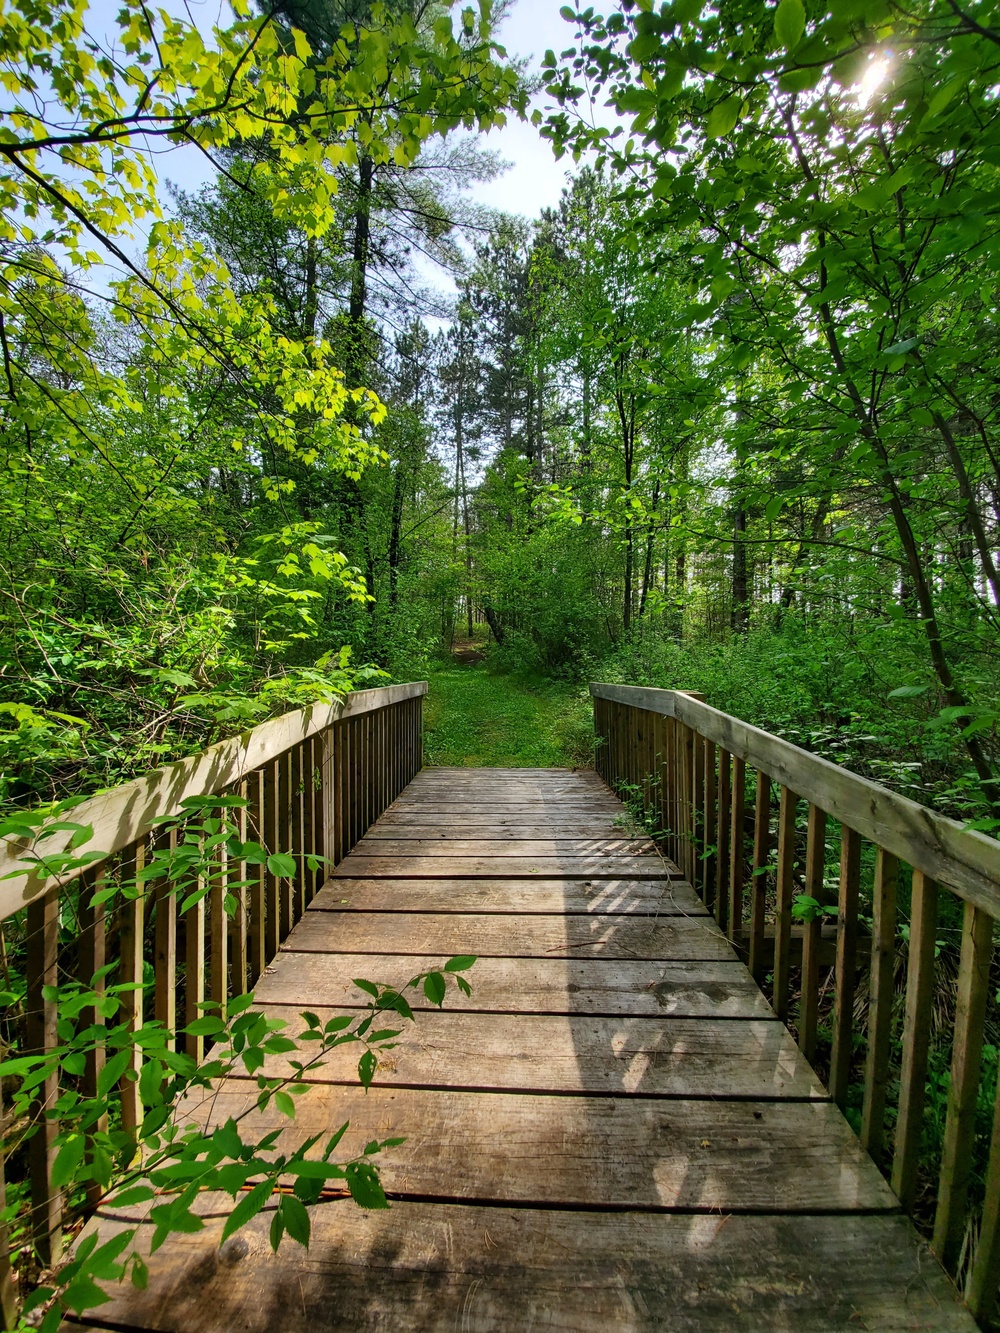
pixel 475 719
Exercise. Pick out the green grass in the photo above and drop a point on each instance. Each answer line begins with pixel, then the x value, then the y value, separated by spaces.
pixel 475 719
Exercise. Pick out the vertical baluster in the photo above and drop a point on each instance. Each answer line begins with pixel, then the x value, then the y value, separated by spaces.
pixel 132 916
pixel 338 746
pixel 697 810
pixel 257 889
pixel 710 836
pixel 8 1297
pixel 783 908
pixel 723 839
pixel 847 965
pixel 881 988
pixel 42 1034
pixel 419 711
pixel 688 767
pixel 194 972
pixel 309 829
pixel 218 922
pixel 286 884
pixel 737 852
pixel 966 1071
pixel 916 1037
pixel 319 811
pixel 93 955
pixel 271 840
pixel 164 944
pixel 238 889
pixel 813 931
pixel 758 881
pixel 297 810
pixel 984 1279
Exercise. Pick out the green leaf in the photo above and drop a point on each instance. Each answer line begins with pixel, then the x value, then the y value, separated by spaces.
pixel 84 1294
pixel 790 23
pixel 365 1186
pixel 68 1158
pixel 296 1219
pixel 435 988
pixel 723 117
pixel 285 1104
pixel 460 964
pixel 282 865
pixel 908 691
pixel 248 1208
pixel 366 1068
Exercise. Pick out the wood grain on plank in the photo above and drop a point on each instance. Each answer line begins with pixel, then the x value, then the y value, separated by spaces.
pixel 514 867
pixel 611 896
pixel 434 1268
pixel 662 1057
pixel 512 936
pixel 574 848
pixel 633 1152
pixel 389 826
pixel 526 985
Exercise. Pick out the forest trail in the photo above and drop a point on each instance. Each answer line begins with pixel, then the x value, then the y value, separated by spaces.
pixel 613 1130
pixel 479 718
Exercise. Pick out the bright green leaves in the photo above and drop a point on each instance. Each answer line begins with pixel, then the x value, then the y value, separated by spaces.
pixel 789 23
pixel 723 117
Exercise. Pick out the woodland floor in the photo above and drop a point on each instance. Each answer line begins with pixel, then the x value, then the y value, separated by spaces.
pixel 475 718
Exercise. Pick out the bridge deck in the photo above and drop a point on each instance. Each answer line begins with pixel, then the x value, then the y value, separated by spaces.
pixel 613 1131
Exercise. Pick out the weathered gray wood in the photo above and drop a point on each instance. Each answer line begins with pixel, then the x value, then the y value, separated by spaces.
pixel 655 897
pixel 677 1057
pixel 525 985
pixel 125 814
pixel 437 1268
pixel 965 860
pixel 492 827
pixel 512 936
pixel 514 867
pixel 635 1152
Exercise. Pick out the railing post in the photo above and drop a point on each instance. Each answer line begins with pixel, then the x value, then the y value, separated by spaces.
pixel 41 1024
pixel 916 1037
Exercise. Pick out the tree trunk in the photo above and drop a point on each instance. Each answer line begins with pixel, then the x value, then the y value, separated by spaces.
pixel 739 616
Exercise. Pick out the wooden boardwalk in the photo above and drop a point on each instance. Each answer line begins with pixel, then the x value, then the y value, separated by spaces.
pixel 613 1132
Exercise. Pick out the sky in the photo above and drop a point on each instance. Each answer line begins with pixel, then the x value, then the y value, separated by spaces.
pixel 535 180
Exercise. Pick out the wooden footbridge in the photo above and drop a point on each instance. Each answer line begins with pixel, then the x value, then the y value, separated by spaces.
pixel 616 1129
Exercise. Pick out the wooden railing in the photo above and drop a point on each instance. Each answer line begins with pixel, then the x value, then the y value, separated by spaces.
pixel 311 783
pixel 706 781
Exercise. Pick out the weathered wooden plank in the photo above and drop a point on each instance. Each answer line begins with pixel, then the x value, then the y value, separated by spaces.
pixel 511 936
pixel 966 1075
pixel 635 1152
pixel 942 848
pixel 607 896
pixel 881 992
pixel 125 815
pixel 525 985
pixel 842 1051
pixel 812 933
pixel 916 1036
pixel 514 867
pixel 492 827
pixel 675 1057
pixel 435 1268
pixel 505 847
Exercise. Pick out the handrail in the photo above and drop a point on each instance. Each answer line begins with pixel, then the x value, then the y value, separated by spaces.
pixel 704 781
pixel 125 814
pixel 962 858
pixel 307 787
